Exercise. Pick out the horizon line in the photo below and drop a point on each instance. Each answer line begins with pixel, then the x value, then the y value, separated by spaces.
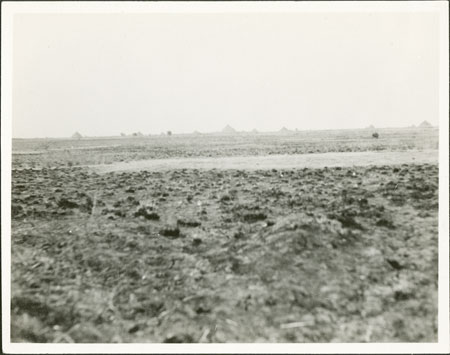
pixel 236 132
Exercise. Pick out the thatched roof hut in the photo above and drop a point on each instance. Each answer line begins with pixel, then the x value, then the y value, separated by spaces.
pixel 228 129
pixel 425 124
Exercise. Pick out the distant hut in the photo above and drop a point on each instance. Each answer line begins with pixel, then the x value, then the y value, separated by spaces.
pixel 375 135
pixel 284 130
pixel 425 124
pixel 77 135
pixel 228 130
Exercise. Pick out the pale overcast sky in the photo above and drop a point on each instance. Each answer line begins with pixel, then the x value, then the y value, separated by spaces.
pixel 102 74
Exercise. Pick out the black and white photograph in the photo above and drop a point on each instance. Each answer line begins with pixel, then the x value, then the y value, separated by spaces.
pixel 225 177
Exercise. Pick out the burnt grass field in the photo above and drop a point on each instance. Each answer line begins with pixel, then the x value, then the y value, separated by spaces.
pixel 187 255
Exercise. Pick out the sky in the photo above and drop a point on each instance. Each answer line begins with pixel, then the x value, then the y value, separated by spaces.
pixel 103 74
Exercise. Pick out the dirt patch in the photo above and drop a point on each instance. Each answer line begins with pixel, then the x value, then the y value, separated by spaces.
pixel 318 160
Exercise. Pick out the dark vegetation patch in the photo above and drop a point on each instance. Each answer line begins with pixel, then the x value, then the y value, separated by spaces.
pixel 147 213
pixel 253 217
pixel 170 232
pixel 65 203
pixel 188 223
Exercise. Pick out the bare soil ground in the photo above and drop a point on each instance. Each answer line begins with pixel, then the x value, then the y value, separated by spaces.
pixel 335 254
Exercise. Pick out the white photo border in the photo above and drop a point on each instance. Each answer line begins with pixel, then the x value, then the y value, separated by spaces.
pixel 9 9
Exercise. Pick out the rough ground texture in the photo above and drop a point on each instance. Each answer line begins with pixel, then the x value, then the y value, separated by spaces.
pixel 298 255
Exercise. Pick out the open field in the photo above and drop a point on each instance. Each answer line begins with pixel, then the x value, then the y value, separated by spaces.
pixel 72 152
pixel 184 253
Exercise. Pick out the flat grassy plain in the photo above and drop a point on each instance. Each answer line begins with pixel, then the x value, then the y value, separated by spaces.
pixel 300 254
pixel 88 151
